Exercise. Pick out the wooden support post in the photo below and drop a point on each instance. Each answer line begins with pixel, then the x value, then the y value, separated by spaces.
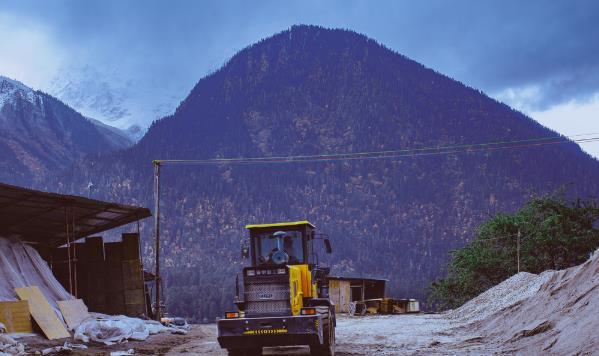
pixel 157 234
pixel 66 216
pixel 74 254
pixel 363 290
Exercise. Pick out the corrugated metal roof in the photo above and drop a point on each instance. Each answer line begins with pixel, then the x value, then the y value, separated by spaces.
pixel 340 278
pixel 40 217
pixel 291 223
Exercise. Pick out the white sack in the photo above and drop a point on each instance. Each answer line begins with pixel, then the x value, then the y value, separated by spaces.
pixel 114 329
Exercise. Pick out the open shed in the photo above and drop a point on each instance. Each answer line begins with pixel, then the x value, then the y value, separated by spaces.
pixel 106 275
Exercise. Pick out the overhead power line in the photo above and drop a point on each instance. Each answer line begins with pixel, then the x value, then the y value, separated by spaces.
pixel 439 150
pixel 403 153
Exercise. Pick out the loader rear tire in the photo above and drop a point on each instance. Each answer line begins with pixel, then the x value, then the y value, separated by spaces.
pixel 328 334
pixel 245 352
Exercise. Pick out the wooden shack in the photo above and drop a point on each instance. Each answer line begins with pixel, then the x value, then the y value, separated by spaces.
pixel 344 290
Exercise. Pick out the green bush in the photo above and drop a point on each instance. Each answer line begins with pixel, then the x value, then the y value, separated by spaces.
pixel 554 234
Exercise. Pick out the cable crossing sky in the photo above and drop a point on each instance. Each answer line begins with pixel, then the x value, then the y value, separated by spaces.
pixel 403 153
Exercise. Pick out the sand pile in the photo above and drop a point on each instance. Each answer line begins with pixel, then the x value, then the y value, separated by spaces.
pixel 555 312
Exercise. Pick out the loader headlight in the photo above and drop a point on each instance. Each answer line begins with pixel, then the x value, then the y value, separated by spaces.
pixel 308 311
pixel 231 315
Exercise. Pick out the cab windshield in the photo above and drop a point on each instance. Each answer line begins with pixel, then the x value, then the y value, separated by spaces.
pixel 279 248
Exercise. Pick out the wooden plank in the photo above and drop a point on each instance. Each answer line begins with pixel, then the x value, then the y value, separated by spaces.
pixel 96 277
pixel 334 294
pixel 135 309
pixel 42 313
pixel 114 280
pixel 113 252
pixel 130 246
pixel 134 296
pixel 344 296
pixel 97 303
pixel 74 312
pixel 132 275
pixel 96 287
pixel 94 249
pixel 15 316
pixel 115 303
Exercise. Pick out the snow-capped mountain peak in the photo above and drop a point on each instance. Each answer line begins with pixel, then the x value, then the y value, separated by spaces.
pixel 11 90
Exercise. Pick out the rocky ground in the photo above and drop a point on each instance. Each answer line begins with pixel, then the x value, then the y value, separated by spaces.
pixel 398 334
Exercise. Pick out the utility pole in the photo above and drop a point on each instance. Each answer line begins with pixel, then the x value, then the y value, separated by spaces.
pixel 518 249
pixel 156 163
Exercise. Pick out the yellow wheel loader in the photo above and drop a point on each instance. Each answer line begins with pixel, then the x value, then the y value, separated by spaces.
pixel 282 298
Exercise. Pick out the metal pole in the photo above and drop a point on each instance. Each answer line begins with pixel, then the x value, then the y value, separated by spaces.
pixel 157 233
pixel 518 250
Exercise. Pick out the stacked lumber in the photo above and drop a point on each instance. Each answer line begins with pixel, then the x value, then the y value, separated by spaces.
pixel 15 316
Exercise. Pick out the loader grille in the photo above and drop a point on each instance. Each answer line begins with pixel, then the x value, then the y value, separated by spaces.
pixel 266 295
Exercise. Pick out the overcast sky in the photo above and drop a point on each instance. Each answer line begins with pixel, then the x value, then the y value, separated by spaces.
pixel 541 57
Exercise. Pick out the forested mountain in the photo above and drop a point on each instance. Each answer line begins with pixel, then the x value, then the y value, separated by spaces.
pixel 39 134
pixel 310 90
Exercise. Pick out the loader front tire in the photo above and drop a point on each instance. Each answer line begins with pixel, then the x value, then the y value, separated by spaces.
pixel 327 348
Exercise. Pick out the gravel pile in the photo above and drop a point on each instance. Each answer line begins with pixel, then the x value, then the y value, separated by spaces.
pixel 556 313
pixel 509 292
pixel 553 313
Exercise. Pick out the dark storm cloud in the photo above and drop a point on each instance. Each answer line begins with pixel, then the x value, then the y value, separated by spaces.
pixel 491 45
pixel 550 44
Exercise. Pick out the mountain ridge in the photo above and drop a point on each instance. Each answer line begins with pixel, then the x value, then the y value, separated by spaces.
pixel 310 90
pixel 42 134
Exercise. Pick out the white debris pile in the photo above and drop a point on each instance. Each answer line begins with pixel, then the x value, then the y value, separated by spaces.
pixel 109 329
pixel 177 325
pixel 8 345
pixel 67 347
pixel 509 292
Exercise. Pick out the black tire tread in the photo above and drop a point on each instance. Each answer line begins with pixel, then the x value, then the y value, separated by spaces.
pixel 328 346
pixel 244 352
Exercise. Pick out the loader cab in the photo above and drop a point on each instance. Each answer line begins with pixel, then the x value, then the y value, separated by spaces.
pixel 280 244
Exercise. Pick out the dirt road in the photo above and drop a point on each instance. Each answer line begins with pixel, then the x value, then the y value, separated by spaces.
pixel 380 335
pixel 369 335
